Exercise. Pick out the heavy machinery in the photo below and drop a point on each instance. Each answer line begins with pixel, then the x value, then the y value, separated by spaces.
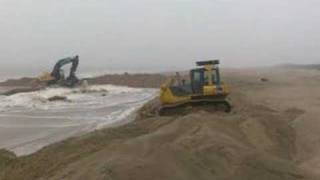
pixel 205 88
pixel 57 76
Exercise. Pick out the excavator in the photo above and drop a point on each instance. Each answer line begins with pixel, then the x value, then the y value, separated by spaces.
pixel 57 76
pixel 205 88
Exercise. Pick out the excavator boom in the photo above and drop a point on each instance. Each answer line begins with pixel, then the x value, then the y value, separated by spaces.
pixel 57 68
pixel 56 77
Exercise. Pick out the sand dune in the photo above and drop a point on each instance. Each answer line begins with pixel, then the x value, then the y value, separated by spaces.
pixel 272 133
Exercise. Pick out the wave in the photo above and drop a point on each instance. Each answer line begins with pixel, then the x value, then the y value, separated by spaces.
pixel 39 99
pixel 37 122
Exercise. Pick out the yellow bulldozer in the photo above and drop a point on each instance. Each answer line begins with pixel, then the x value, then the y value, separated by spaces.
pixel 205 88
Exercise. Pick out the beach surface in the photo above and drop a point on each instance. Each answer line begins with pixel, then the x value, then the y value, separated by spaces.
pixel 271 133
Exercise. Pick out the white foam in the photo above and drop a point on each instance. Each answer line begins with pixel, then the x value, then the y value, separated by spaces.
pixel 39 99
pixel 30 121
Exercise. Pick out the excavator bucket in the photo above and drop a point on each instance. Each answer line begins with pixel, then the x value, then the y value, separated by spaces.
pixel 45 77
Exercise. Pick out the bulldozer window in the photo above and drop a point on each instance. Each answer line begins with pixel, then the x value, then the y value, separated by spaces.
pixel 197 76
pixel 214 78
pixel 207 77
pixel 197 80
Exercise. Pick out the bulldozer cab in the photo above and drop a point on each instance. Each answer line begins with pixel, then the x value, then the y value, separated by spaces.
pixel 208 75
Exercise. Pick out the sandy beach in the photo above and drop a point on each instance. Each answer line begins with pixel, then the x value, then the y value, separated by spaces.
pixel 272 133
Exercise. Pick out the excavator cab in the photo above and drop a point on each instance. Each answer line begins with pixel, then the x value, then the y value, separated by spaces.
pixel 205 87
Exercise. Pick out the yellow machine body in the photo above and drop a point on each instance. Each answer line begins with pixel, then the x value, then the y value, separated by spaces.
pixel 214 91
pixel 168 97
pixel 211 89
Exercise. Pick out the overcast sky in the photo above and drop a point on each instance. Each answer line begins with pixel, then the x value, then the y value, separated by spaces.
pixel 157 34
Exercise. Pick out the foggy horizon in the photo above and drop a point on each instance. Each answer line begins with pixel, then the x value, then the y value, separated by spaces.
pixel 156 35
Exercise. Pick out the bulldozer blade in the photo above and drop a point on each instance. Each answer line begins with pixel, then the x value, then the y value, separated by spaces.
pixel 185 108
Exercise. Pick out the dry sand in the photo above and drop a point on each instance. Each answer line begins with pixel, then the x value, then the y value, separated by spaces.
pixel 273 133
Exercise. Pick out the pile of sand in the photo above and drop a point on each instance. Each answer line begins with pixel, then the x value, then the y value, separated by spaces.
pixel 200 145
pixel 132 80
pixel 260 139
pixel 126 79
pixel 6 157
pixel 18 82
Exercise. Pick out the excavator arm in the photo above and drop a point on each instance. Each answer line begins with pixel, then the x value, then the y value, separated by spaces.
pixel 56 72
pixel 57 68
